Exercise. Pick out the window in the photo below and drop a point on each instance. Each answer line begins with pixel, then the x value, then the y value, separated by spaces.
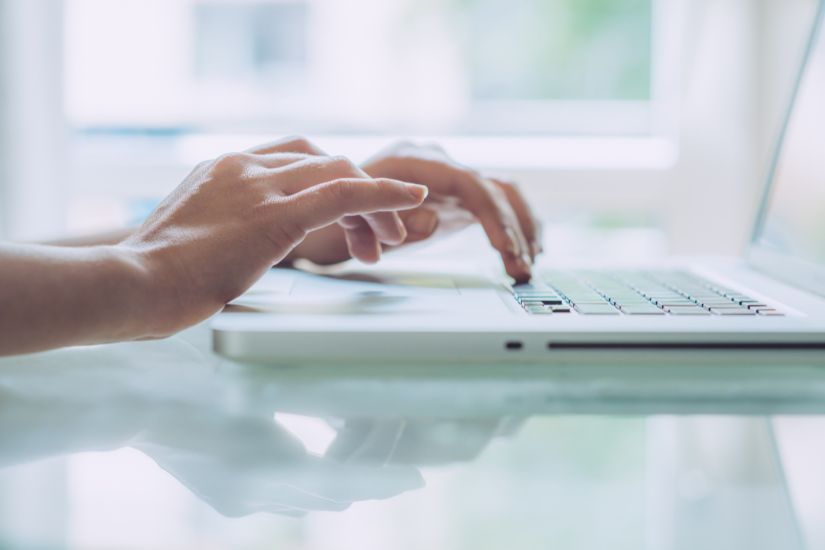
pixel 446 67
pixel 154 86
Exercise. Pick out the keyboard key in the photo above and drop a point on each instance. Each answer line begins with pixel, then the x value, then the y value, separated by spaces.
pixel 770 313
pixel 536 295
pixel 636 293
pixel 687 311
pixel 582 297
pixel 720 305
pixel 630 310
pixel 542 301
pixel 666 303
pixel 732 311
pixel 528 287
pixel 596 309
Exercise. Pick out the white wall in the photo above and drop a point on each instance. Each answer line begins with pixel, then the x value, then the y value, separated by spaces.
pixel 5 51
pixel 32 146
pixel 740 61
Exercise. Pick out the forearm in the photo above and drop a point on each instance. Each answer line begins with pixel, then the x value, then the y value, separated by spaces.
pixel 53 296
pixel 33 430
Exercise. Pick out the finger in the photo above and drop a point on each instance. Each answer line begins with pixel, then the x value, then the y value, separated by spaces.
pixel 421 223
pixel 539 234
pixel 524 214
pixel 367 441
pixel 311 170
pixel 361 241
pixel 326 203
pixel 291 144
pixel 386 226
pixel 380 443
pixel 493 211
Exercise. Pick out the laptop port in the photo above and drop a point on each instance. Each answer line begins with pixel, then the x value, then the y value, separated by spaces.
pixel 513 345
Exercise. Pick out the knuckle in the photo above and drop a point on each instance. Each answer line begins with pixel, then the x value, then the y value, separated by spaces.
pixel 298 144
pixel 288 229
pixel 384 185
pixel 500 197
pixel 231 163
pixel 341 189
pixel 483 187
pixel 342 165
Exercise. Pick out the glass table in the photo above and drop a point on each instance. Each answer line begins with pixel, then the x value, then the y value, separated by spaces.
pixel 164 445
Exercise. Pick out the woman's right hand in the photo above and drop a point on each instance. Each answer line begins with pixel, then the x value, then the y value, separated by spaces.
pixel 236 216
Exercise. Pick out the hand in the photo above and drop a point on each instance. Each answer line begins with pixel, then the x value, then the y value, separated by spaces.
pixel 241 465
pixel 168 400
pixel 458 196
pixel 234 217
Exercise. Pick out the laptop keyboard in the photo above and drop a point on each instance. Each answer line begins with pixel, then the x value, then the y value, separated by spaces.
pixel 635 293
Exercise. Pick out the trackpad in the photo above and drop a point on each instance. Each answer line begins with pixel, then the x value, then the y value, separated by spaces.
pixel 352 292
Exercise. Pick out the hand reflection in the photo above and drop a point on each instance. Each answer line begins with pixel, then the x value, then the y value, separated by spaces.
pixel 201 424
pixel 419 441
pixel 241 465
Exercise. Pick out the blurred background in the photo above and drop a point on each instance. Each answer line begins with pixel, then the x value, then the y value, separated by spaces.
pixel 654 114
pixel 652 117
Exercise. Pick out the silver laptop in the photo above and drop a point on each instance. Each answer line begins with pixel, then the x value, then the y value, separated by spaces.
pixel 771 301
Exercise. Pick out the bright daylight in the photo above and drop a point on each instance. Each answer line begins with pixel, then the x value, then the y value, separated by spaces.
pixel 412 274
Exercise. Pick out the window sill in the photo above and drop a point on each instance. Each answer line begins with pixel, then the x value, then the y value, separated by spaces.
pixel 146 165
pixel 506 152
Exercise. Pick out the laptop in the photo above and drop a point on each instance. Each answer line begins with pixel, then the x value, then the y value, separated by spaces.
pixel 770 301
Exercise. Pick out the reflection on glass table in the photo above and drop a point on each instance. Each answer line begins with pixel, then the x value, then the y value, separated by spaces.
pixel 366 458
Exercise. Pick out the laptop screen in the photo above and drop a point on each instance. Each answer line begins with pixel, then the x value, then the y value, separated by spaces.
pixel 793 217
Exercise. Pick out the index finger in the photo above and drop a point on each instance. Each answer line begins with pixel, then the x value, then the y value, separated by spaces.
pixel 526 218
pixel 486 202
pixel 326 203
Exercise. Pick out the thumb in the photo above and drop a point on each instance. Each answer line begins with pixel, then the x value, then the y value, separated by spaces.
pixel 326 203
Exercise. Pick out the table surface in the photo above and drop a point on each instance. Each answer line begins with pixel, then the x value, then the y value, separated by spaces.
pixel 164 445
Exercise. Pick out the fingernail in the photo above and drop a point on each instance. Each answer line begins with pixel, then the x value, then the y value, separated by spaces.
pixel 512 242
pixel 402 231
pixel 536 249
pixel 418 192
pixel 527 260
pixel 421 222
pixel 524 266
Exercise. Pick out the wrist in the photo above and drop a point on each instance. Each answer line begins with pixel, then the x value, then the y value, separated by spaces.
pixel 145 305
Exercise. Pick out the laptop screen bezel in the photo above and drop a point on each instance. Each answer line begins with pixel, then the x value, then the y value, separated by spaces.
pixel 786 267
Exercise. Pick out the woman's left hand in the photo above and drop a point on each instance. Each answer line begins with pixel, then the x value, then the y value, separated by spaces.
pixel 458 196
